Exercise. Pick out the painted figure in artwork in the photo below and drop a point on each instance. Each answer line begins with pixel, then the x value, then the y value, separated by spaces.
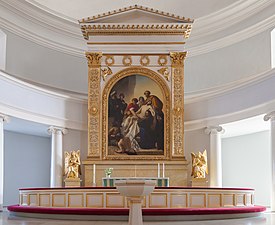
pixel 136 118
pixel 72 164
pixel 199 165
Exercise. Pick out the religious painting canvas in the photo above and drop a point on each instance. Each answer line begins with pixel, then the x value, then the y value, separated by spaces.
pixel 136 117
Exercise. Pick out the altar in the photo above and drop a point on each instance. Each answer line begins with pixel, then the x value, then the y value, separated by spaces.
pixel 159 181
pixel 136 94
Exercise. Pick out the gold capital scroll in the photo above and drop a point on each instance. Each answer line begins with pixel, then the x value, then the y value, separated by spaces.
pixel 94 64
pixel 177 64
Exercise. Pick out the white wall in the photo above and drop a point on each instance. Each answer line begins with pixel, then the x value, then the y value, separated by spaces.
pixel 246 163
pixel 26 164
pixel 3 42
pixel 235 62
pixel 42 65
pixel 273 48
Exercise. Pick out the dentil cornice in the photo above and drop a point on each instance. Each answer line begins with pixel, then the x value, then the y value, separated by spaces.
pixel 55 31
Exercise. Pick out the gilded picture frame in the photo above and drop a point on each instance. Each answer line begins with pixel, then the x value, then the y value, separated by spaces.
pixel 113 144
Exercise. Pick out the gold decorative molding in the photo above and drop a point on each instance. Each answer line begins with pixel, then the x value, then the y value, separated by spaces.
pixel 162 60
pixel 177 59
pixel 144 60
pixel 109 60
pixel 127 60
pixel 136 7
pixel 166 109
pixel 137 43
pixel 94 71
pixel 165 72
pixel 105 72
pixel 94 58
pixel 129 29
pixel 140 54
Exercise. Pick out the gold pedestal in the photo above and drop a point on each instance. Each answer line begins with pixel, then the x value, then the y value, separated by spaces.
pixel 199 182
pixel 72 182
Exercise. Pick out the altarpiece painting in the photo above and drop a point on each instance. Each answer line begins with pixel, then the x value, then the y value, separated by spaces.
pixel 135 117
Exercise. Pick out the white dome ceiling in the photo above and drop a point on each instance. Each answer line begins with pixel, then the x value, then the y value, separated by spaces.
pixel 74 10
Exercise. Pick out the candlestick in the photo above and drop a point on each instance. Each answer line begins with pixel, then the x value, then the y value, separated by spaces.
pixel 94 174
pixel 163 170
pixel 158 170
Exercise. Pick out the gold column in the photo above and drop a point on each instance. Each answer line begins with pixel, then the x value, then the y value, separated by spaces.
pixel 94 64
pixel 177 64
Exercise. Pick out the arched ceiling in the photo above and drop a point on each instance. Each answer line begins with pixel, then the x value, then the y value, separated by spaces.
pixel 75 10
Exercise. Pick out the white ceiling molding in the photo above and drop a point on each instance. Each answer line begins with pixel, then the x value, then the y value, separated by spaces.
pixel 207 94
pixel 233 38
pixel 229 117
pixel 62 34
pixel 235 104
pixel 42 18
pixel 45 90
pixel 228 16
pixel 41 104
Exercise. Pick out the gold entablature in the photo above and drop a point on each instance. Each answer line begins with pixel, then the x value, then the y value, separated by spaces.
pixel 167 109
pixel 136 7
pixel 137 29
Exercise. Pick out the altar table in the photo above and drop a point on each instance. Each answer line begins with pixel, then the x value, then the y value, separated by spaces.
pixel 160 181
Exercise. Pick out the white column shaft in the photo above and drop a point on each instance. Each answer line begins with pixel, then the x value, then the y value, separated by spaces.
pixel 271 117
pixel 57 156
pixel 1 162
pixel 3 118
pixel 215 159
pixel 272 134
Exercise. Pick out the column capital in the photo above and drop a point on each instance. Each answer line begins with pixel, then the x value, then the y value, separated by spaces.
pixel 270 116
pixel 4 118
pixel 94 58
pixel 214 130
pixel 178 58
pixel 56 130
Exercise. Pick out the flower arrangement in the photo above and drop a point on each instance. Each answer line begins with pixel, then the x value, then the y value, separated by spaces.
pixel 108 172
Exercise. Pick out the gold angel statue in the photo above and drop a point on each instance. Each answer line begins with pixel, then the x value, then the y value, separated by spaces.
pixel 199 164
pixel 72 164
